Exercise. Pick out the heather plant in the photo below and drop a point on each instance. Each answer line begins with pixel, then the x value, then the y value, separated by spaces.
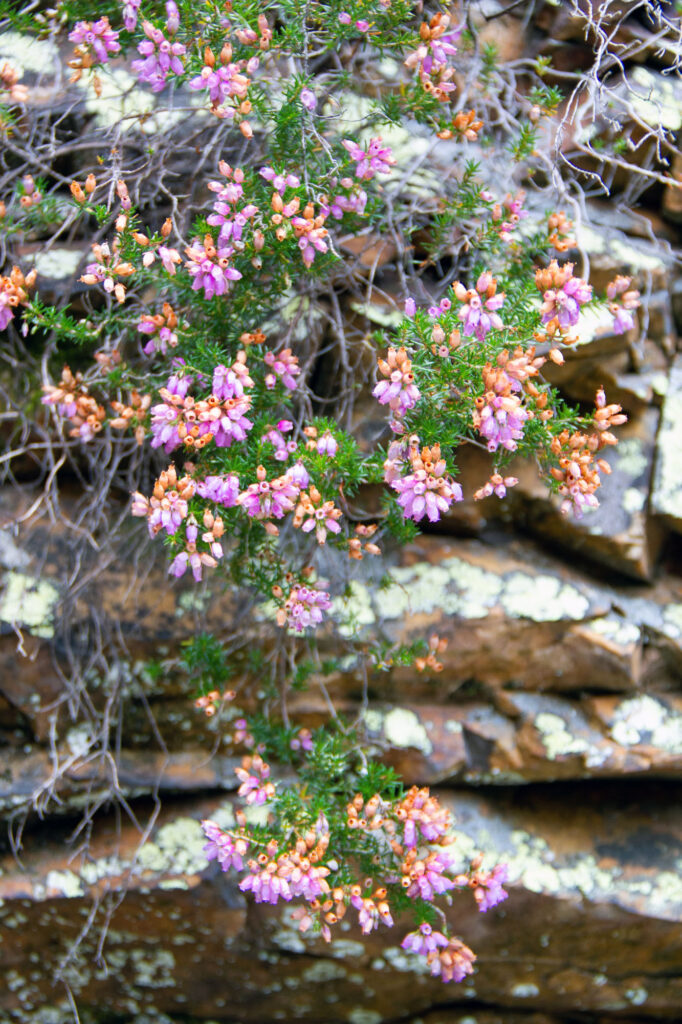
pixel 194 355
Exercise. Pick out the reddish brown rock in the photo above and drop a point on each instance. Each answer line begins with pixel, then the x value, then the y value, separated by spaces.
pixel 183 941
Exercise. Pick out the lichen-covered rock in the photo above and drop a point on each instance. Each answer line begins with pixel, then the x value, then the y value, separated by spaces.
pixel 183 941
pixel 619 533
pixel 530 737
pixel 666 498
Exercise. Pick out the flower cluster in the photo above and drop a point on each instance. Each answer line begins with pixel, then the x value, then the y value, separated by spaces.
pixel 159 58
pixel 312 513
pixel 254 776
pixel 479 313
pixel 425 491
pixel 75 404
pixel 499 414
pixel 14 292
pixel 448 959
pixel 210 266
pixel 168 505
pixel 227 83
pixel 432 57
pixel 97 37
pixel 376 159
pixel 160 329
pixel 304 607
pixel 191 557
pixel 563 295
pixel 578 471
pixel 399 391
pixel 181 420
pixel 619 288
pixel 108 270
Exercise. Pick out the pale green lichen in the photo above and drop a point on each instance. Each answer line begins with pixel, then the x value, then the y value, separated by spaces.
pixel 29 602
pixel 119 100
pixel 177 849
pixel 79 740
pixel 323 971
pixel 152 968
pixel 66 883
pixel 374 721
pixel 382 315
pixel 543 598
pixel 353 611
pixel 402 728
pixel 28 53
pixel 667 491
pixel 56 264
pixel 456 587
pixel 399 960
pixel 630 457
pixel 633 500
pixel 645 719
pixel 616 629
pixel 361 1016
pixel 629 254
pixel 453 727
pixel 525 990
pixel 672 619
pixel 556 738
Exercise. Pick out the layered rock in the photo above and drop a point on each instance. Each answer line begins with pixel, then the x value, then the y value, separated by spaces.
pixel 183 941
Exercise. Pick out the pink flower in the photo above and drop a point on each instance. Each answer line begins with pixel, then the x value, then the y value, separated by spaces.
pixel 308 99
pixel 280 182
pixel 424 941
pixel 172 17
pixel 488 891
pixel 377 159
pixel 304 607
pixel 479 312
pixel 428 879
pixel 298 475
pixel 269 499
pixel 410 308
pixel 223 490
pixel 563 295
pixel 169 257
pixel 399 391
pixel 223 82
pixel 6 311
pixel 98 36
pixel 327 445
pixel 223 848
pixel 283 365
pixel 229 382
pixel 161 58
pixel 362 25
pixel 231 423
pixel 452 963
pixel 130 9
pixel 370 913
pixel 166 419
pixel 254 775
pixel 209 268
pixel 345 18
pixel 266 886
pixel 426 491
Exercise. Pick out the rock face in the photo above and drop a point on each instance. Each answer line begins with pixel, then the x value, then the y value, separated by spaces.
pixel 553 731
pixel 184 941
